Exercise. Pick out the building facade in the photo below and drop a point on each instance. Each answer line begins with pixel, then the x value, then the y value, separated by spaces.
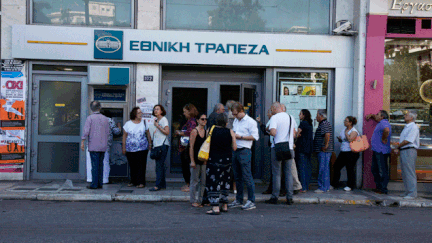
pixel 128 53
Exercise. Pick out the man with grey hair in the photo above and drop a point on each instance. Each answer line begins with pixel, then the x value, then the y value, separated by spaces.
pixel 323 145
pixel 218 109
pixel 96 130
pixel 409 142
pixel 281 129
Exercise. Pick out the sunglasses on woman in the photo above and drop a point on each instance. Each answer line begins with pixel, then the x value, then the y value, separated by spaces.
pixel 203 119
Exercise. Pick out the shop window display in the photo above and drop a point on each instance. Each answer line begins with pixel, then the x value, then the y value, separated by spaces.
pixel 303 90
pixel 408 86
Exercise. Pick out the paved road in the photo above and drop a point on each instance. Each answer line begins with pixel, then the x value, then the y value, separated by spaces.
pixel 36 221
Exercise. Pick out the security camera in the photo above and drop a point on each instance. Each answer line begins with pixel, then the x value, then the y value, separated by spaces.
pixel 343 26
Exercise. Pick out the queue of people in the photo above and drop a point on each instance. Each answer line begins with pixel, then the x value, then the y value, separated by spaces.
pixel 208 182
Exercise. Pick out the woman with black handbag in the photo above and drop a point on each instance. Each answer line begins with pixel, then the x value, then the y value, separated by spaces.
pixel 161 144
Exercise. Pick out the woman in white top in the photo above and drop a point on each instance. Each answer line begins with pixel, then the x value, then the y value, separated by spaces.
pixel 346 156
pixel 136 144
pixel 160 139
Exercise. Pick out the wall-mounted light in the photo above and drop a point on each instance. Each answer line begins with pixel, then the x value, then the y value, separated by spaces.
pixel 374 84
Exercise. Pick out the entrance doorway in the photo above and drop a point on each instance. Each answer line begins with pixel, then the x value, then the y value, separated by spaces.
pixel 57 122
pixel 205 95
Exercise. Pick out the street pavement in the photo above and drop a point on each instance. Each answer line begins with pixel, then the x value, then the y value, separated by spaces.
pixel 55 221
pixel 66 190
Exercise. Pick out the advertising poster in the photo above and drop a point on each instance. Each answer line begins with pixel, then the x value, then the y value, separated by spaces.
pixel 302 95
pixel 147 110
pixel 12 117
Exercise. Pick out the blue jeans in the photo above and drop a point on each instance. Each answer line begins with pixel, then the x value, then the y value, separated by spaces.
pixel 243 172
pixel 380 170
pixel 97 168
pixel 161 168
pixel 304 168
pixel 324 171
pixel 277 168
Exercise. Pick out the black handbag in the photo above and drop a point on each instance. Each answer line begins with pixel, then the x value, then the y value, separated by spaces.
pixel 156 152
pixel 282 150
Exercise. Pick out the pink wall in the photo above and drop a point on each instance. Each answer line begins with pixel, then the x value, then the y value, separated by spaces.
pixel 374 70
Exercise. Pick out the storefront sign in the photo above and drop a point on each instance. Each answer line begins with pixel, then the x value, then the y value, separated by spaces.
pixel 11 65
pixel 404 7
pixel 108 44
pixel 110 94
pixel 183 47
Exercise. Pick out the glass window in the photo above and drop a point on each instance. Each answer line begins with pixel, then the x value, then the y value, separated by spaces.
pixel 288 16
pixel 407 70
pixel 303 90
pixel 117 13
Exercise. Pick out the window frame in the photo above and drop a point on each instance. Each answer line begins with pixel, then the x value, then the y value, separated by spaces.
pixel 332 9
pixel 132 20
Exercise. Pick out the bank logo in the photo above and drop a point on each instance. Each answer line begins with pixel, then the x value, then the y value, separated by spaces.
pixel 108 44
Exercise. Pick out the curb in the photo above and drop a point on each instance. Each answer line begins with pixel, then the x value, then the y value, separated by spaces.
pixel 165 198
pixel 18 196
pixel 73 197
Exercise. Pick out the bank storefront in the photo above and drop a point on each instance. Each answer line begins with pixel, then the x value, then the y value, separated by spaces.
pixel 69 67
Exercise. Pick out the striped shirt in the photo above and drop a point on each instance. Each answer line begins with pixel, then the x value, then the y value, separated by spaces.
pixel 323 128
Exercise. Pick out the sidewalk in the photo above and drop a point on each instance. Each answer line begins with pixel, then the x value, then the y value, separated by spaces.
pixel 65 190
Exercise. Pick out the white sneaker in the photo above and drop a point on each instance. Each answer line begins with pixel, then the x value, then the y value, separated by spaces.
pixel 234 204
pixel 408 198
pixel 347 189
pixel 319 191
pixel 249 205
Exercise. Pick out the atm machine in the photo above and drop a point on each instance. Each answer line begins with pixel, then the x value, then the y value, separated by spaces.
pixel 115 99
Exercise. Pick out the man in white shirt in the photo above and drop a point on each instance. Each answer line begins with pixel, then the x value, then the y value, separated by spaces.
pixel 409 142
pixel 296 182
pixel 281 128
pixel 246 130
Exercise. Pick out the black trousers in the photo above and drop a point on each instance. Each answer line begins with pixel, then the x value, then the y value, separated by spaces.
pixel 185 165
pixel 137 164
pixel 348 159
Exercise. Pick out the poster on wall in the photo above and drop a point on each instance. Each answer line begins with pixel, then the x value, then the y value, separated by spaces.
pixel 302 95
pixel 147 110
pixel 12 115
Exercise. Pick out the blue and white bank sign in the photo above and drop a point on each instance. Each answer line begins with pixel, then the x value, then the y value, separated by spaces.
pixel 108 44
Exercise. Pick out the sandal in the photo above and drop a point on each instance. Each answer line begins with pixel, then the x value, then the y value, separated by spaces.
pixel 154 189
pixel 223 210
pixel 140 186
pixel 130 185
pixel 186 189
pixel 197 205
pixel 212 212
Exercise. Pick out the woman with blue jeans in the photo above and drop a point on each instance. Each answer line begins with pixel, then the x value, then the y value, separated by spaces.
pixel 160 138
pixel 304 148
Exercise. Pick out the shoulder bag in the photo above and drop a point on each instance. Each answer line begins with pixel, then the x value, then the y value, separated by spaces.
pixel 359 144
pixel 156 152
pixel 282 150
pixel 204 152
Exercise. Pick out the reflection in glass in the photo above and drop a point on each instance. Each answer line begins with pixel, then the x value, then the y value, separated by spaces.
pixel 407 67
pixel 59 108
pixel 288 16
pixel 83 12
pixel 58 157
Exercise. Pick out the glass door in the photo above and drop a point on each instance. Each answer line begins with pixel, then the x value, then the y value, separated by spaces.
pixel 175 96
pixel 57 121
